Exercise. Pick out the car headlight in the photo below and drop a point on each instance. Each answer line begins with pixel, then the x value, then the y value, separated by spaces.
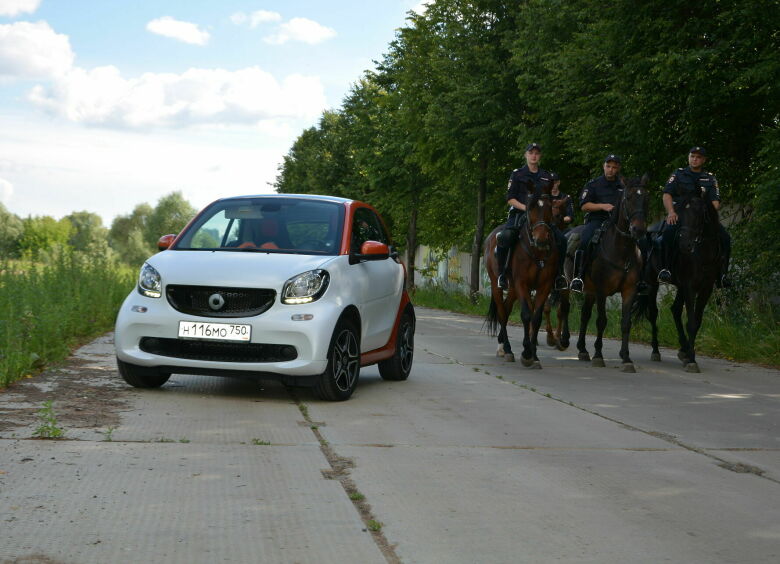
pixel 306 287
pixel 149 282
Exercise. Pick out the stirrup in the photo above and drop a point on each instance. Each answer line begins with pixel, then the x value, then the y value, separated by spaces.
pixel 642 288
pixel 664 276
pixel 576 285
pixel 561 283
pixel 502 282
pixel 724 282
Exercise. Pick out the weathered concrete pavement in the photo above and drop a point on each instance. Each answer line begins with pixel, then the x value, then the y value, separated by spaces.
pixel 471 460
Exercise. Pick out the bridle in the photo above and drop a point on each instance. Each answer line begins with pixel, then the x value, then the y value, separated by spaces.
pixel 640 212
pixel 530 228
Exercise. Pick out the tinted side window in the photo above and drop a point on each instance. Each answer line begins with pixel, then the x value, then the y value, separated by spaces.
pixel 366 227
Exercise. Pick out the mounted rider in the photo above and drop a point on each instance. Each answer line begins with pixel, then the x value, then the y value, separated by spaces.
pixel 556 194
pixel 683 184
pixel 522 181
pixel 597 199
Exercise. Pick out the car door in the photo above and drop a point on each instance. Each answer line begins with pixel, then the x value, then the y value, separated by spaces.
pixel 379 282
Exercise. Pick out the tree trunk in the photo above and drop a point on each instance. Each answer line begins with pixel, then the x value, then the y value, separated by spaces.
pixel 479 232
pixel 411 241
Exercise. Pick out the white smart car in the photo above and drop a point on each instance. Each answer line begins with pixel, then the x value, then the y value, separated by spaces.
pixel 299 288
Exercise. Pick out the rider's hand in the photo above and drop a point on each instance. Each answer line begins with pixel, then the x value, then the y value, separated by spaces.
pixel 607 207
pixel 671 218
pixel 567 219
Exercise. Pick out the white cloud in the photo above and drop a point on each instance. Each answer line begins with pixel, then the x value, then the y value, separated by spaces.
pixel 6 191
pixel 198 96
pixel 176 29
pixel 301 29
pixel 255 18
pixel 421 7
pixel 15 7
pixel 33 50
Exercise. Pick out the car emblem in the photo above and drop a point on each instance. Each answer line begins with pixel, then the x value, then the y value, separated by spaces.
pixel 216 301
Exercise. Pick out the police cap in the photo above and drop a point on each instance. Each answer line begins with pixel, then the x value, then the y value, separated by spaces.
pixel 701 150
pixel 532 146
pixel 554 176
pixel 613 158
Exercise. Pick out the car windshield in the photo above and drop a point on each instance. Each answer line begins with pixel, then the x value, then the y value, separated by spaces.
pixel 274 225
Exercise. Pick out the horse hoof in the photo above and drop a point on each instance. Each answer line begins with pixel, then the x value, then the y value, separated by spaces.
pixel 692 367
pixel 562 347
pixel 550 340
pixel 526 361
pixel 682 356
pixel 655 357
pixel 536 365
pixel 509 357
pixel 583 356
pixel 628 367
pixel 598 363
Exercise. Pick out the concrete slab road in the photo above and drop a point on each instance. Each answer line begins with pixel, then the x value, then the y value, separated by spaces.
pixel 471 460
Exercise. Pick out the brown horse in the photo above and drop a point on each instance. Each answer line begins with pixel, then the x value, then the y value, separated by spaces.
pixel 532 270
pixel 695 267
pixel 559 299
pixel 616 267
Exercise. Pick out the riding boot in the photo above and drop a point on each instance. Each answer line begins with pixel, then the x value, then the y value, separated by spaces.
pixel 723 280
pixel 502 256
pixel 560 281
pixel 579 269
pixel 664 275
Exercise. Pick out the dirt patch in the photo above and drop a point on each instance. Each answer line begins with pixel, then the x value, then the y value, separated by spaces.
pixel 85 394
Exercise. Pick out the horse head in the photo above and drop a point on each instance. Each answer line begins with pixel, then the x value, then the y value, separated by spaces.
pixel 559 212
pixel 695 215
pixel 634 205
pixel 539 217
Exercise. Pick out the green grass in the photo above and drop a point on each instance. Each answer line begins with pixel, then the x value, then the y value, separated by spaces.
pixel 734 328
pixel 48 309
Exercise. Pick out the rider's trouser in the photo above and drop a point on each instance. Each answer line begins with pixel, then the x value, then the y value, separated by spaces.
pixel 506 239
pixel 587 234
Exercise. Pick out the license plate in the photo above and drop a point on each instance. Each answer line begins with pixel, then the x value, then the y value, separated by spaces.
pixel 214 331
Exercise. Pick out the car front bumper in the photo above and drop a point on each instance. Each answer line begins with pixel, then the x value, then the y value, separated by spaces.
pixel 142 317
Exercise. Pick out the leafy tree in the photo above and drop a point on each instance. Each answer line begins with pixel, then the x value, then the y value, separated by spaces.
pixel 126 235
pixel 88 235
pixel 41 235
pixel 10 231
pixel 170 215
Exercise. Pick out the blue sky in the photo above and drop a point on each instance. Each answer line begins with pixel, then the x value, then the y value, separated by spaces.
pixel 108 104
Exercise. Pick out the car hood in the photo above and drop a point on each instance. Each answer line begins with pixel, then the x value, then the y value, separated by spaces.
pixel 236 269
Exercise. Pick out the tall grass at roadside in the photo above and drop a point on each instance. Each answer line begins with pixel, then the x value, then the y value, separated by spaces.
pixel 46 309
pixel 736 329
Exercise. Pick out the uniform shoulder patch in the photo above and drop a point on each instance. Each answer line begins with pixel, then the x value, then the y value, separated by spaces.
pixel 671 179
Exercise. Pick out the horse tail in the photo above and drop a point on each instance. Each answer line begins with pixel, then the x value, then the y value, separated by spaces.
pixel 491 320
pixel 639 307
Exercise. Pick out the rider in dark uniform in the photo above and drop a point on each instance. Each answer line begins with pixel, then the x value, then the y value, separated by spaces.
pixel 568 213
pixel 683 184
pixel 598 198
pixel 521 182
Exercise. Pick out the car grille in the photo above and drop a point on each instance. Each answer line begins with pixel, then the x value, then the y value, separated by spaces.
pixel 218 350
pixel 236 302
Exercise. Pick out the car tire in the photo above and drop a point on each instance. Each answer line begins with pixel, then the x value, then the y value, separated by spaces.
pixel 398 366
pixel 140 376
pixel 341 375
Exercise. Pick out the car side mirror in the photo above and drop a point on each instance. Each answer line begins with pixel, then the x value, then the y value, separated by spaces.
pixel 166 241
pixel 370 250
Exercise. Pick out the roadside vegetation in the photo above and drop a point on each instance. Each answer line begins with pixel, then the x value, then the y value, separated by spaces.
pixel 52 306
pixel 743 333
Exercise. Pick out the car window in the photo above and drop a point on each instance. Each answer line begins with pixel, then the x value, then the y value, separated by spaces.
pixel 366 226
pixel 291 225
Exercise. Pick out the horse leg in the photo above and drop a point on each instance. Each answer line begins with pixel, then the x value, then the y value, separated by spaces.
pixel 652 317
pixel 526 357
pixel 548 325
pixel 629 295
pixel 693 328
pixel 587 307
pixel 563 321
pixel 503 309
pixel 601 324
pixel 677 308
pixel 536 322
